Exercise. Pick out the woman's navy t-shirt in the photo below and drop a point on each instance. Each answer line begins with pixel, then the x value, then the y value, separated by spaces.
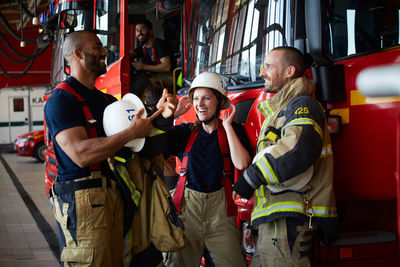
pixel 64 111
pixel 205 164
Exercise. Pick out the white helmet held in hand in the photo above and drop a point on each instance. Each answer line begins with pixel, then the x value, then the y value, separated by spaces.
pixel 118 117
pixel 213 81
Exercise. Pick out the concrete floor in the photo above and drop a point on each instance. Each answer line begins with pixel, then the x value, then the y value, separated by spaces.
pixel 21 241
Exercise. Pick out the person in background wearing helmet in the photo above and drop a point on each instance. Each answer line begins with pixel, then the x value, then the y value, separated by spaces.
pixel 87 204
pixel 292 174
pixel 208 149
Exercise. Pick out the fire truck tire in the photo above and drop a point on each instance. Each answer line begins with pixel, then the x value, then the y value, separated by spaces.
pixel 40 149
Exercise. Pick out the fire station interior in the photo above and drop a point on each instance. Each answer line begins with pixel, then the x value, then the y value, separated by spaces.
pixel 24 216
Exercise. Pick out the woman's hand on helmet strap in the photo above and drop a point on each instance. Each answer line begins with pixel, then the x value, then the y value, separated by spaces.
pixel 229 117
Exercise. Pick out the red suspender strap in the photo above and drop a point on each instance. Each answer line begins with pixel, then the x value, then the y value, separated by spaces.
pixel 155 57
pixel 182 172
pixel 227 176
pixel 90 126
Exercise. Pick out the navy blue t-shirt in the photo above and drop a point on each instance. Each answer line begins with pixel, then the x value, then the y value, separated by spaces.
pixel 63 111
pixel 148 58
pixel 205 163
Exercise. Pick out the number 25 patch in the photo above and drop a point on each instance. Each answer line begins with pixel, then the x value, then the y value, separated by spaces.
pixel 302 110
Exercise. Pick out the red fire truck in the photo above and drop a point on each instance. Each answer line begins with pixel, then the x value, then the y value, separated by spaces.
pixel 340 38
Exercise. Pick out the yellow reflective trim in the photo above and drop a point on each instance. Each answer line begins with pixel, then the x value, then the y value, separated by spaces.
pixel 128 248
pixel 269 108
pixel 271 170
pixel 266 109
pixel 156 131
pixel 258 164
pixel 260 143
pixel 257 213
pixel 326 151
pixel 304 121
pixel 120 159
pixel 319 211
pixel 259 198
pixel 267 172
pixel 323 208
pixel 284 203
pixel 135 194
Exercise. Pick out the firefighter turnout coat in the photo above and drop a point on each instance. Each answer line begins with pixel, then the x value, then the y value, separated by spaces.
pixel 292 174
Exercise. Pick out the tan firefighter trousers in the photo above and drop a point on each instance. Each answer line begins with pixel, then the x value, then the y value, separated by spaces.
pixel 91 224
pixel 207 225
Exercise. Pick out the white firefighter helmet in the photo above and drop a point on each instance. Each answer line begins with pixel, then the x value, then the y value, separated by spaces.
pixel 118 117
pixel 293 184
pixel 210 80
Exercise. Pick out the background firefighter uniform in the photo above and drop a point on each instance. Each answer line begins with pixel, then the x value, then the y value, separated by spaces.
pixel 296 128
pixel 87 205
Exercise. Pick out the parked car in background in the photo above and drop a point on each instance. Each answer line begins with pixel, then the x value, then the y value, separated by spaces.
pixel 31 145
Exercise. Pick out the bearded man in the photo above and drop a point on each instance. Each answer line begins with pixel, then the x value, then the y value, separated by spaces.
pixel 87 203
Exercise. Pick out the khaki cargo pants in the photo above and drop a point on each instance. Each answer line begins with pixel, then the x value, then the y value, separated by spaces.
pixel 90 223
pixel 207 225
pixel 273 249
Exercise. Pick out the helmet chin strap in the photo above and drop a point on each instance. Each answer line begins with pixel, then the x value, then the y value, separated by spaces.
pixel 213 116
pixel 209 120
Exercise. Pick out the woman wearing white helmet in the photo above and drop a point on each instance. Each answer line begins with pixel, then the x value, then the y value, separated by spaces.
pixel 208 150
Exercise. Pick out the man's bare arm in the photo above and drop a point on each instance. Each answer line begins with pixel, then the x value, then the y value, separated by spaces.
pixel 86 151
pixel 164 66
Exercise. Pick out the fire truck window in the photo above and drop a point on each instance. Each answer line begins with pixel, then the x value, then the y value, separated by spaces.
pixel 254 29
pixel 232 37
pixel 239 29
pixel 214 50
pixel 214 17
pixel 231 44
pixel 228 65
pixel 254 63
pixel 18 104
pixel 235 64
pixel 107 24
pixel 225 12
pixel 363 26
pixel 248 25
pixel 244 65
pixel 221 43
pixel 220 5
pixel 274 21
pixel 80 18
